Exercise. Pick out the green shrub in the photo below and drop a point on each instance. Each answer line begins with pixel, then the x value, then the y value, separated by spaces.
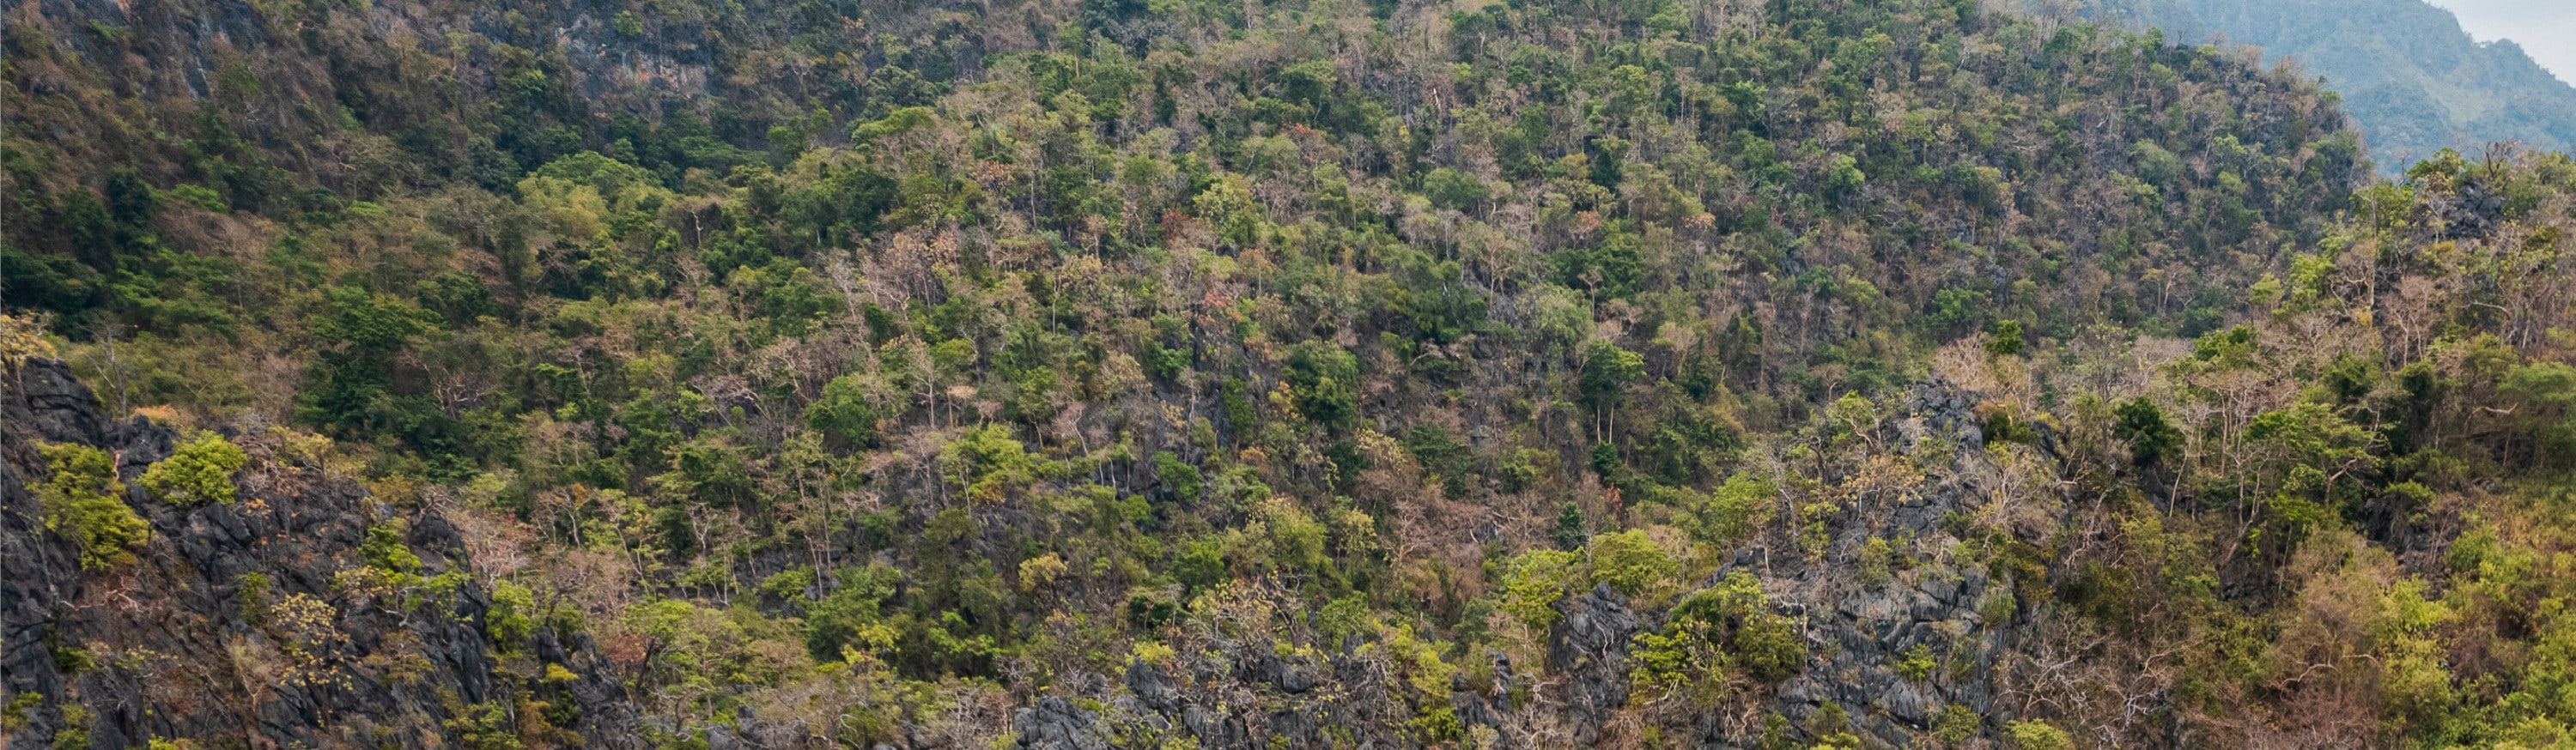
pixel 199 196
pixel 384 548
pixel 1452 189
pixel 1605 462
pixel 2007 340
pixel 82 501
pixel 851 616
pixel 74 733
pixel 486 726
pixel 14 717
pixel 2036 734
pixel 2547 391
pixel 788 585
pixel 1736 614
pixel 1522 470
pixel 253 597
pixel 1874 559
pixel 2143 424
pixel 201 470
pixel 1832 727
pixel 1958 724
pixel 1918 663
pixel 1736 509
pixel 1630 562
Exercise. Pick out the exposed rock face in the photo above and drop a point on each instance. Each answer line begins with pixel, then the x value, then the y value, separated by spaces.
pixel 42 573
pixel 1251 700
pixel 1589 647
pixel 231 622
pixel 1153 687
pixel 1874 634
pixel 1056 724
pixel 1485 708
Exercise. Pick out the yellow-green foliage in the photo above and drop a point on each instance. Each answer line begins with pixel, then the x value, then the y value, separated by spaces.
pixel 2035 734
pixel 21 340
pixel 1918 663
pixel 1737 508
pixel 989 464
pixel 1726 626
pixel 1294 539
pixel 384 548
pixel 200 471
pixel 510 620
pixel 1535 580
pixel 1958 723
pixel 14 716
pixel 1675 659
pixel 487 726
pixel 84 501
pixel 2413 680
pixel 1630 562
pixel 74 733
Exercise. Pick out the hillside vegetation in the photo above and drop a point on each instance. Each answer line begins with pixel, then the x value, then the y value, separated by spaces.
pixel 1653 373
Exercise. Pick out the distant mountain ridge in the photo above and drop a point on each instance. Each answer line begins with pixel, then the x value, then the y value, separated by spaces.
pixel 2408 73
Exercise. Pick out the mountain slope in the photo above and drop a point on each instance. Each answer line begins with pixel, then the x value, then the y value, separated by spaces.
pixel 2414 80
pixel 1200 373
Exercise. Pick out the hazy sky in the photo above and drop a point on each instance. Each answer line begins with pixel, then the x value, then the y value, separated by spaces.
pixel 2544 28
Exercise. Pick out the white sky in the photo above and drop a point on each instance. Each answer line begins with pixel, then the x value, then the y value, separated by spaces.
pixel 2544 28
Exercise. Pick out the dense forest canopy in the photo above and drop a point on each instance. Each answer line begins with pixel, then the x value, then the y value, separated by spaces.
pixel 1309 373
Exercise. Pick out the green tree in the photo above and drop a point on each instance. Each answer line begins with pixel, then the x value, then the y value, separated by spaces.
pixel 1535 580
pixel 2143 424
pixel 851 616
pixel 1570 529
pixel 1324 381
pixel 1607 370
pixel 2007 339
pixel 1451 189
pixel 2547 391
pixel 1179 476
pixel 843 414
pixel 349 386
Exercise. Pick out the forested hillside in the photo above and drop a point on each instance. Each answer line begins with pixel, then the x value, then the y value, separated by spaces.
pixel 2416 82
pixel 1188 373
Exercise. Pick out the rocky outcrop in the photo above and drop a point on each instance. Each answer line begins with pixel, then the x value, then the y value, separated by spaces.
pixel 1485 708
pixel 1588 647
pixel 1250 696
pixel 1896 650
pixel 1900 656
pixel 234 621
pixel 1900 637
pixel 1054 723
pixel 42 573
